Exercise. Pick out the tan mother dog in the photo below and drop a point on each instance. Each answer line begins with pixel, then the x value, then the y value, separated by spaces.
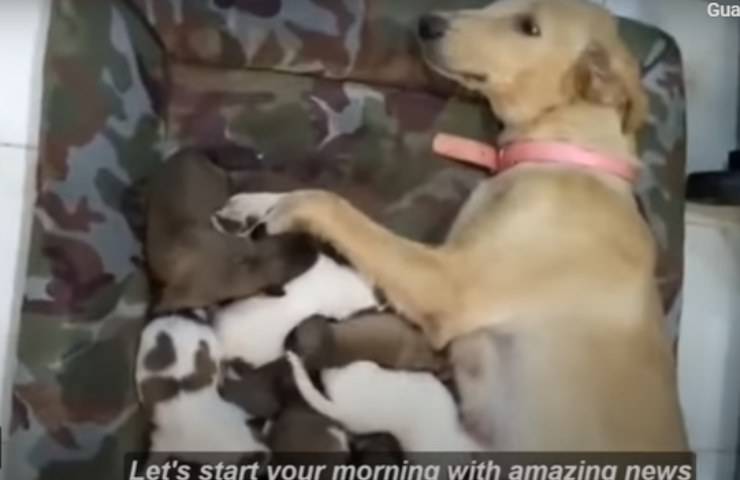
pixel 548 273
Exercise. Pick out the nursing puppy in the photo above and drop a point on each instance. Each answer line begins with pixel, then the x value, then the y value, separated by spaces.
pixel 269 396
pixel 550 258
pixel 412 406
pixel 380 337
pixel 300 436
pixel 261 392
pixel 254 330
pixel 191 264
pixel 177 373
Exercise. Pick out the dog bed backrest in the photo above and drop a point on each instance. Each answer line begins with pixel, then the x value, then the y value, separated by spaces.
pixel 317 92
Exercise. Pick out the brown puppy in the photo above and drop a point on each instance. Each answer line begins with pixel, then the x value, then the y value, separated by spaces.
pixel 302 437
pixel 268 395
pixel 553 261
pixel 192 264
pixel 383 338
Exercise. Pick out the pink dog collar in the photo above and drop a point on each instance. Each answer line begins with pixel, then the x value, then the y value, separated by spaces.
pixel 484 155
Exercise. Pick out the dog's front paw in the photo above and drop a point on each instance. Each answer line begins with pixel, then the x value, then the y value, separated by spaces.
pixel 298 211
pixel 244 211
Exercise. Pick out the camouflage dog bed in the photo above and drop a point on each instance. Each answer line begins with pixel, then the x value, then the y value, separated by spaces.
pixel 325 93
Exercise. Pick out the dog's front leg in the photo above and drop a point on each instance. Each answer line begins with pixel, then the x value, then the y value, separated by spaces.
pixel 412 276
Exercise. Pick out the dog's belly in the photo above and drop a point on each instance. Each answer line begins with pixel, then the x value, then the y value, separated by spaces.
pixel 575 389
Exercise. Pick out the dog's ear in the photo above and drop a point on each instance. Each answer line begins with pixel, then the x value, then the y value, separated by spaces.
pixel 607 74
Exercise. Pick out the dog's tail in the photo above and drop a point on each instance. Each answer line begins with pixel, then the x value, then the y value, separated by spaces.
pixel 308 390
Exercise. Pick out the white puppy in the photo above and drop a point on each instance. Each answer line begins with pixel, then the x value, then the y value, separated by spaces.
pixel 255 329
pixel 413 406
pixel 177 372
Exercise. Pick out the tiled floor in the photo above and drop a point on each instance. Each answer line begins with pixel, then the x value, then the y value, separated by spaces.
pixel 16 175
pixel 23 26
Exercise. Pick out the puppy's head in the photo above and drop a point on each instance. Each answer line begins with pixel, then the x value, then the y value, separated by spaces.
pixel 529 56
pixel 177 354
pixel 258 391
pixel 301 430
pixel 314 341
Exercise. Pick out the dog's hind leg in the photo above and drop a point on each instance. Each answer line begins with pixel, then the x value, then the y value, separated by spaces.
pixel 478 361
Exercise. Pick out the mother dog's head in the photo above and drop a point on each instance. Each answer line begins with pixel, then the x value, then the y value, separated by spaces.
pixel 530 56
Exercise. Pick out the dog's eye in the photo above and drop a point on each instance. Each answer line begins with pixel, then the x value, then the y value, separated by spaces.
pixel 528 26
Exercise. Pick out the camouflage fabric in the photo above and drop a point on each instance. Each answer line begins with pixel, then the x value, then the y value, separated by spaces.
pixel 74 409
pixel 312 92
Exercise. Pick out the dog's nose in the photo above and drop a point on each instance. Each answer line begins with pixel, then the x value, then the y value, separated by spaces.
pixel 432 27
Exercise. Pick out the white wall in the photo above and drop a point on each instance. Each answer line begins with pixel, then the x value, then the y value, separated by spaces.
pixel 710 48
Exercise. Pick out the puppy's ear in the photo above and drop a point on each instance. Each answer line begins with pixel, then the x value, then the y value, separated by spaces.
pixel 607 74
pixel 206 370
pixel 157 389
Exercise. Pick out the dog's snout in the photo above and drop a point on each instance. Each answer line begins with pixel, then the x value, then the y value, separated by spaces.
pixel 432 27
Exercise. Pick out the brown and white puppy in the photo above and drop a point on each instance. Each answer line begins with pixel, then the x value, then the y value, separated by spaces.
pixel 553 261
pixel 177 375
pixel 380 337
pixel 192 264
pixel 414 407
pixel 254 329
